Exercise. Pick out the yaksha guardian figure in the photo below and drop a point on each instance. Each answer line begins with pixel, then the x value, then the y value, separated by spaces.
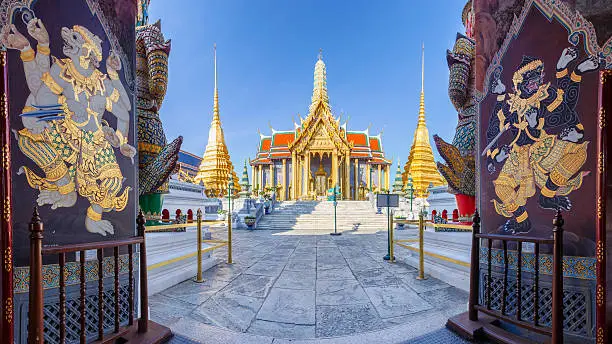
pixel 546 149
pixel 64 133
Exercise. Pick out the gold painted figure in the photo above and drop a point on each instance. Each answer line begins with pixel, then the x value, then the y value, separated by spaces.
pixel 64 133
pixel 546 148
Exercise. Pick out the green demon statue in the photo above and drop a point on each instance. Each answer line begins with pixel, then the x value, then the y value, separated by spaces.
pixel 459 155
pixel 156 159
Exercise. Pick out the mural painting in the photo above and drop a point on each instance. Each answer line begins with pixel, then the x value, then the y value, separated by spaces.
pixel 540 147
pixel 71 120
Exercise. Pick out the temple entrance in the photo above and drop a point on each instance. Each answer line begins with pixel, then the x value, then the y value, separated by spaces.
pixel 320 181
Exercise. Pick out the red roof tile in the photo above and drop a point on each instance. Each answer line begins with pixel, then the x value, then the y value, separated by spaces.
pixel 283 139
pixel 374 144
pixel 358 139
pixel 265 144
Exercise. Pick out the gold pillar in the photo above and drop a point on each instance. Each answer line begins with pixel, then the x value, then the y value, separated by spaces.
pixel 298 186
pixel 356 181
pixel 293 175
pixel 307 173
pixel 284 179
pixel 379 178
pixel 387 168
pixel 347 176
pixel 260 176
pixel 334 172
pixel 368 174
pixel 271 182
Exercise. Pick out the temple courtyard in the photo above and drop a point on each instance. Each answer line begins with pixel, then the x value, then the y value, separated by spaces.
pixel 309 287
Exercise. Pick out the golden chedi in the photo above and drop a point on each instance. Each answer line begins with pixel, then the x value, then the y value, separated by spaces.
pixel 421 165
pixel 216 168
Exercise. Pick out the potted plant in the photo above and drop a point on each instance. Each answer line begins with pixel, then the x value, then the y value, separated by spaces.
pixel 250 221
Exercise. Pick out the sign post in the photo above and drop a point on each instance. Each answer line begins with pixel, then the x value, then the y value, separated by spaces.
pixel 389 201
pixel 335 205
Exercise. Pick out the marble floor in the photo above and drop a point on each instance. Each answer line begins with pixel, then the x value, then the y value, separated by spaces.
pixel 307 286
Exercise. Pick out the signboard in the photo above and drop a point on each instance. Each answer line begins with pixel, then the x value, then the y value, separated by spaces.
pixel 387 200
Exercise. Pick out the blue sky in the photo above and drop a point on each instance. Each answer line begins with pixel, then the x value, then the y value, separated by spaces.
pixel 266 52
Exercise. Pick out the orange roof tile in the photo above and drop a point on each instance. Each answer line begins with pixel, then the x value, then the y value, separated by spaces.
pixel 358 139
pixel 283 139
pixel 265 144
pixel 374 144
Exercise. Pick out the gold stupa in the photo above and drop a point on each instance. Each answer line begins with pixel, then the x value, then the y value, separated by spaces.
pixel 216 168
pixel 421 165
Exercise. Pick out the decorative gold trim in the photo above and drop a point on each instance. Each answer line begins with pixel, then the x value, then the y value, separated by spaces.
pixel 575 77
pixel 66 189
pixel 548 192
pixel 7 209
pixel 8 259
pixel 28 55
pixel 92 214
pixel 599 208
pixel 9 310
pixel 600 163
pixel 599 295
pixel 552 106
pixel 600 336
pixel 6 159
pixel 3 106
pixel 599 251
pixel 562 73
pixel 602 118
pixel 41 49
pixel 522 217
pixel 52 84
pixel 112 74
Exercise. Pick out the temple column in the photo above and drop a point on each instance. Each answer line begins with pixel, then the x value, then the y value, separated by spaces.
pixel 284 179
pixel 347 176
pixel 300 180
pixel 368 174
pixel 293 175
pixel 307 173
pixel 387 177
pixel 334 173
pixel 356 181
pixel 379 178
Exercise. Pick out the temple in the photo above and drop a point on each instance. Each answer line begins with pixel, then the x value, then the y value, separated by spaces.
pixel 320 153
pixel 216 169
pixel 421 165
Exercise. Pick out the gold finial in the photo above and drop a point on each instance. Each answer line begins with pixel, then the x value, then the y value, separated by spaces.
pixel 215 54
pixel 320 53
pixel 423 67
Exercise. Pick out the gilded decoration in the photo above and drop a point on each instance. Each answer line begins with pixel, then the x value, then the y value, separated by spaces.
pixel 4 105
pixel 599 251
pixel 602 118
pixel 599 208
pixel 7 208
pixel 64 134
pixel 6 158
pixel 600 335
pixel 8 259
pixel 600 163
pixel 599 296
pixel 8 306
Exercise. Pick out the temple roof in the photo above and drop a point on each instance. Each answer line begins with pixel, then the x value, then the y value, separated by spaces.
pixel 280 144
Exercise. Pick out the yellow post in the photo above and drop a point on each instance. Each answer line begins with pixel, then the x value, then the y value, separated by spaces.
pixel 199 277
pixel 392 243
pixel 421 275
pixel 229 234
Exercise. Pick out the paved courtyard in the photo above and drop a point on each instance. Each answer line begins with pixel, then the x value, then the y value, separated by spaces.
pixel 309 286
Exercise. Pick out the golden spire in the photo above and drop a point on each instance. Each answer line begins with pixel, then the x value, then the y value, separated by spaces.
pixel 421 165
pixel 216 168
pixel 319 91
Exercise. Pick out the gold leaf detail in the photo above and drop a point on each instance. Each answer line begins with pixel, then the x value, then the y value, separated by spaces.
pixel 9 310
pixel 599 251
pixel 7 209
pixel 599 296
pixel 602 118
pixel 599 208
pixel 600 336
pixel 8 259
pixel 601 163
pixel 6 158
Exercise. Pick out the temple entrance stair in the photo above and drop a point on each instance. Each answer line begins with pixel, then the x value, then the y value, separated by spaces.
pixel 319 215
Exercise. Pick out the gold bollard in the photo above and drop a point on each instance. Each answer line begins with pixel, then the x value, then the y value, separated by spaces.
pixel 391 256
pixel 229 237
pixel 199 277
pixel 421 275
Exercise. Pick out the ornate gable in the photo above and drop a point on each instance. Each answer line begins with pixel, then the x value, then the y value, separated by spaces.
pixel 320 132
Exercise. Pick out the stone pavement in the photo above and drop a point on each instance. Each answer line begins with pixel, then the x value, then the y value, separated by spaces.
pixel 286 286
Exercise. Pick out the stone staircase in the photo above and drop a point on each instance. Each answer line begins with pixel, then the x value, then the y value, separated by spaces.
pixel 319 215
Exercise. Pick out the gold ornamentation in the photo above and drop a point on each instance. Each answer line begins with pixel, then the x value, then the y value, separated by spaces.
pixel 552 106
pixel 599 208
pixel 66 189
pixel 43 49
pixel 600 162
pixel 7 209
pixel 599 251
pixel 602 117
pixel 112 74
pixel 92 214
pixel 28 55
pixel 91 85
pixel 599 295
pixel 89 42
pixel 6 158
pixel 600 336
pixel 562 73
pixel 4 106
pixel 517 77
pixel 575 77
pixel 8 259
pixel 9 310
pixel 51 83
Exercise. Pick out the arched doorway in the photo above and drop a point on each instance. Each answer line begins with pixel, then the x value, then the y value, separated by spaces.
pixel 455 215
pixel 433 215
pixel 445 214
pixel 189 215
pixel 165 215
